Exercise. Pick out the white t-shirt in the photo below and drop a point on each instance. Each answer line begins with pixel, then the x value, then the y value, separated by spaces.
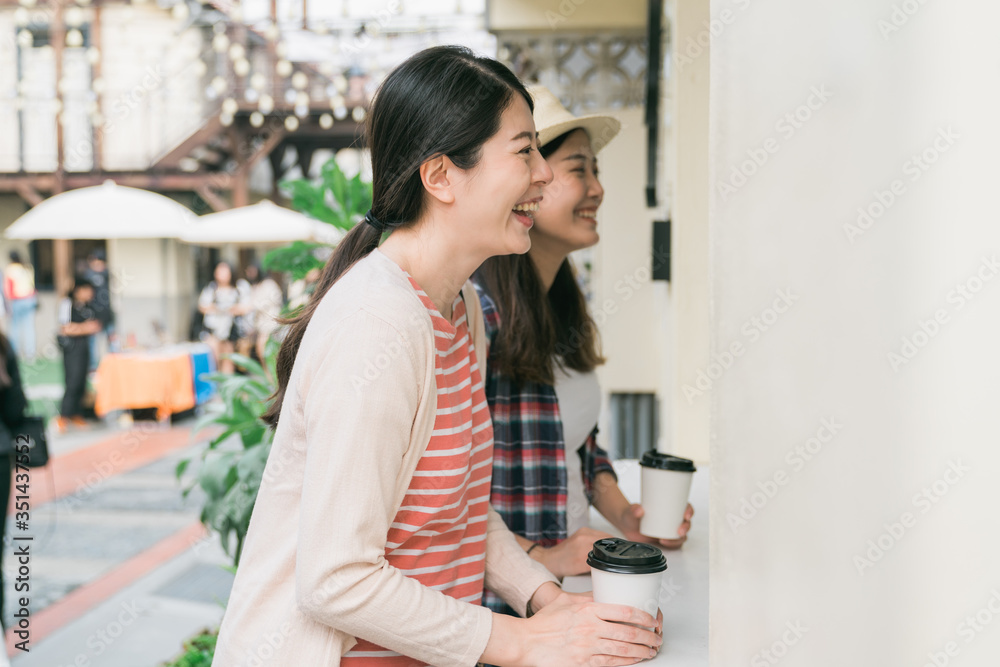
pixel 579 396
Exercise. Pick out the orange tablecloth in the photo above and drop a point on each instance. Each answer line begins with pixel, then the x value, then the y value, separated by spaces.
pixel 161 380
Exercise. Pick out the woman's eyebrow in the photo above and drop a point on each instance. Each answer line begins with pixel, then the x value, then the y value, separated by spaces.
pixel 577 156
pixel 524 135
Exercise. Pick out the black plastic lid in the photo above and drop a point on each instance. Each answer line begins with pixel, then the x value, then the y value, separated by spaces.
pixel 654 459
pixel 613 554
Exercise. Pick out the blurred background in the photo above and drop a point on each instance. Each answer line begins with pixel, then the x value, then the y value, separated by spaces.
pixel 143 143
pixel 793 287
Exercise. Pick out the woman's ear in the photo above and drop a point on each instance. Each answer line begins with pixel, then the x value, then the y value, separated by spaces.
pixel 438 176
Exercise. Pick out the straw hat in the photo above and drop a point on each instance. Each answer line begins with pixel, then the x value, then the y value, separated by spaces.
pixel 553 120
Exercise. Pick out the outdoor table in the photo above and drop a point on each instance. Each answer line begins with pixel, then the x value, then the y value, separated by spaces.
pixel 684 595
pixel 168 379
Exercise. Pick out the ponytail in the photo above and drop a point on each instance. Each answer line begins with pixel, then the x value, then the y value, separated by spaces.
pixel 355 246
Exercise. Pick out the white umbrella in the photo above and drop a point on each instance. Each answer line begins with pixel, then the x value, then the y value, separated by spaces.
pixel 263 223
pixel 106 211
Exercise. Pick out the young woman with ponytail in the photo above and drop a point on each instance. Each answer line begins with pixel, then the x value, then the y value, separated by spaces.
pixel 372 536
pixel 540 384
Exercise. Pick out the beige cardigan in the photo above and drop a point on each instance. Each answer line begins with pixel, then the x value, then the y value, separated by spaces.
pixel 357 416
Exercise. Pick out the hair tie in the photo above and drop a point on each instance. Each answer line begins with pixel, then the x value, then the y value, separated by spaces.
pixel 374 222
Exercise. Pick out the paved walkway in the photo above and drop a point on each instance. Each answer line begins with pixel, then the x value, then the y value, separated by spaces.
pixel 121 570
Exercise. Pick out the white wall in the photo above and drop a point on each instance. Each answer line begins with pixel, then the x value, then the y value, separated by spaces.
pixel 846 547
pixel 687 157
pixel 153 97
pixel 152 279
pixel 624 298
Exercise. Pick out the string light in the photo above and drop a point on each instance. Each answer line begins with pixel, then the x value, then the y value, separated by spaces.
pixel 21 16
pixel 283 68
pixel 180 11
pixel 266 104
pixel 302 111
pixel 226 119
pixel 281 49
pixel 256 119
pixel 74 17
pixel 302 99
pixel 93 55
pixel 340 113
pixel 258 81
pixel 74 38
pixel 291 123
pixel 358 114
pixel 219 85
pixel 300 80
pixel 25 39
pixel 241 67
pixel 237 52
pixel 326 121
pixel 230 106
pixel 220 43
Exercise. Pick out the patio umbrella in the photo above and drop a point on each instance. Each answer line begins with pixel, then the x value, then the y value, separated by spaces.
pixel 106 211
pixel 264 223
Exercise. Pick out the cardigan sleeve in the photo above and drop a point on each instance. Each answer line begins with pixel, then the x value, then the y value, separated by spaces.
pixel 510 572
pixel 359 413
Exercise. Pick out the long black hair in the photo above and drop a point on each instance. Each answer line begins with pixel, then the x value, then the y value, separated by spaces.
pixel 442 101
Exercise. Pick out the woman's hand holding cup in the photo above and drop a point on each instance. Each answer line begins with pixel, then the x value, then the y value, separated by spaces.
pixel 630 523
pixel 569 557
pixel 574 630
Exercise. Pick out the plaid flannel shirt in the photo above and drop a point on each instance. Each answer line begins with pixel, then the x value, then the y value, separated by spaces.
pixel 529 466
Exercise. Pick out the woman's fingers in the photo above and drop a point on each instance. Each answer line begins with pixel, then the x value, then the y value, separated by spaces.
pixel 619 613
pixel 673 544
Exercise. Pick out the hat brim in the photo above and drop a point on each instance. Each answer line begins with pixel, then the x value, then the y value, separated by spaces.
pixel 601 129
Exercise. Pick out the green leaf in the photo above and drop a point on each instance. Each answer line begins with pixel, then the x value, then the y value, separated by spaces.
pixel 181 467
pixel 246 363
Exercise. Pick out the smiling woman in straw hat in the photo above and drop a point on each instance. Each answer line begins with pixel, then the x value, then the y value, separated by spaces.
pixel 541 385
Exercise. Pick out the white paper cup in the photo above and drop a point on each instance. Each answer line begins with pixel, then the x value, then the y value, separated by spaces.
pixel 628 573
pixel 666 485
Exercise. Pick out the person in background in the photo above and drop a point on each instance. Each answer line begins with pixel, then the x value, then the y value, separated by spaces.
pixel 300 290
pixel 13 404
pixel 98 276
pixel 265 307
pixel 78 322
pixel 541 385
pixel 222 303
pixel 19 293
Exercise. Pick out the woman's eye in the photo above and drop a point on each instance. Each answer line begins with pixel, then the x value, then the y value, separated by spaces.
pixel 526 150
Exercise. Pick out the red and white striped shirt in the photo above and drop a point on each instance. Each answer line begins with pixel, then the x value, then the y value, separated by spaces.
pixel 438 536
